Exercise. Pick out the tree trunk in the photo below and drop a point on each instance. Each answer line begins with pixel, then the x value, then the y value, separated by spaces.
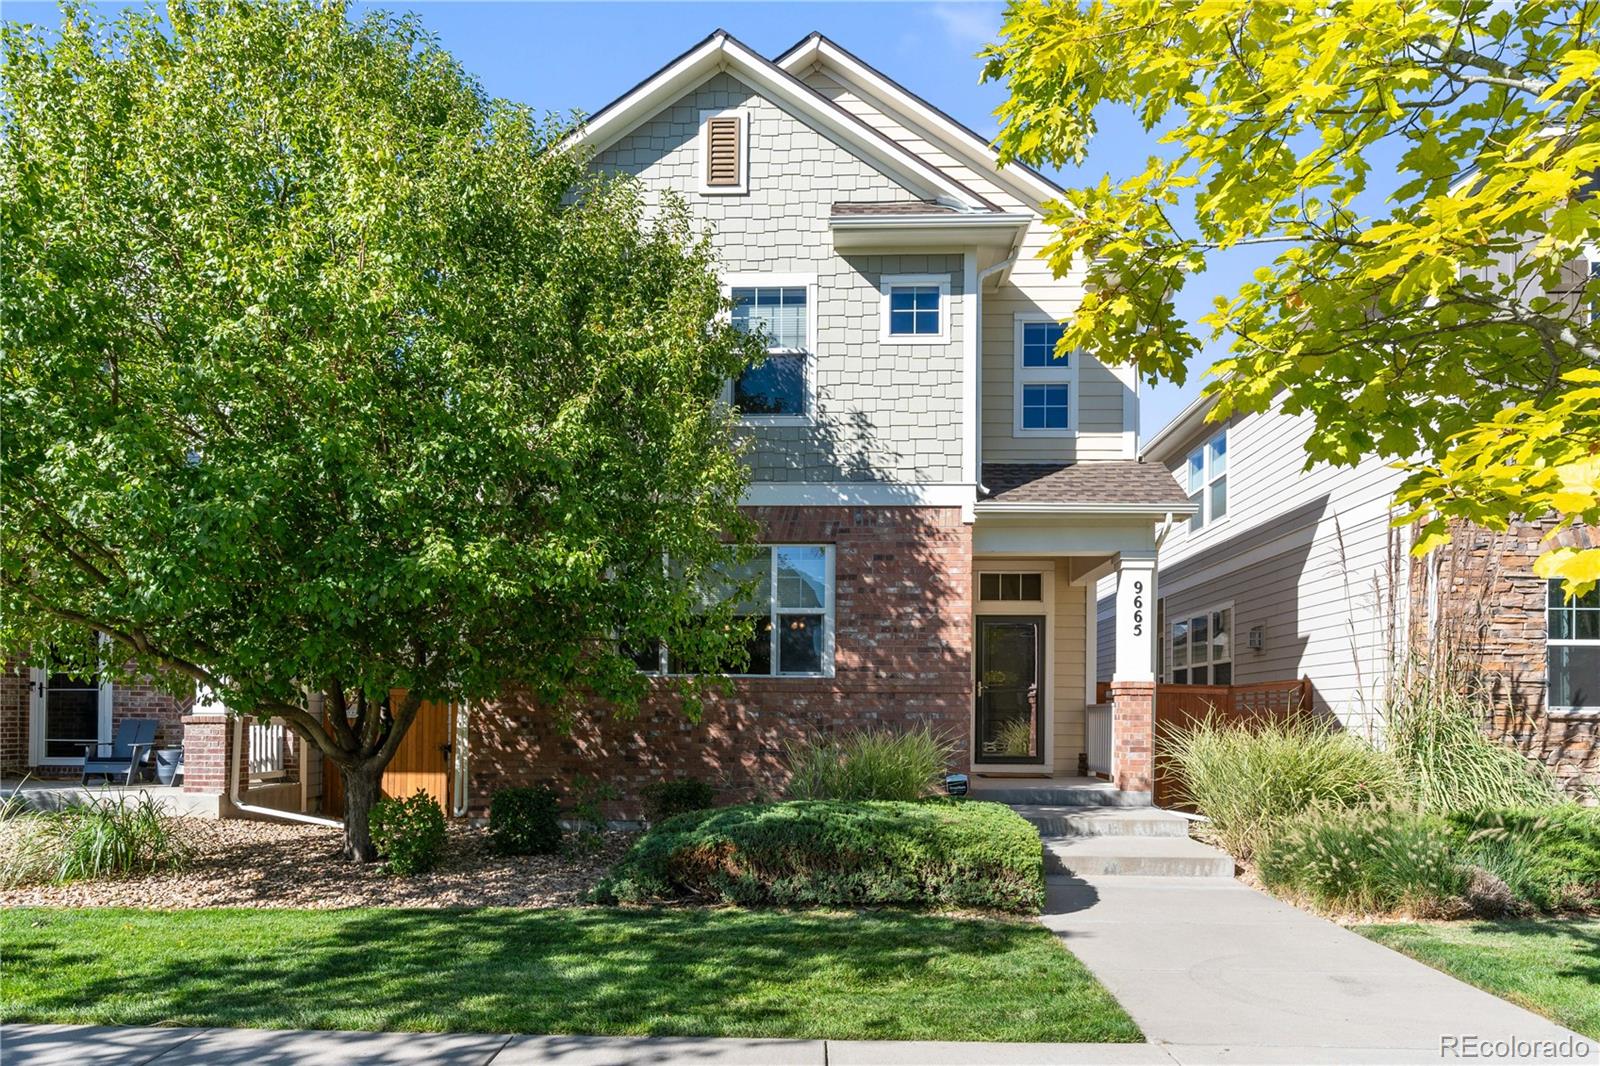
pixel 361 790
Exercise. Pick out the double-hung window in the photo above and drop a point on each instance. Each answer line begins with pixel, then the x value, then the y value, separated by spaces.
pixel 784 616
pixel 1573 649
pixel 1207 480
pixel 1047 386
pixel 779 310
pixel 915 309
pixel 1202 648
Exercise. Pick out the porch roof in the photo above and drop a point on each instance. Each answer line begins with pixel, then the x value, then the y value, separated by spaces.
pixel 1117 485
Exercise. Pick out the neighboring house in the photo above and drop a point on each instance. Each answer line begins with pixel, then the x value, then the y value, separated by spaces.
pixel 1285 572
pixel 940 492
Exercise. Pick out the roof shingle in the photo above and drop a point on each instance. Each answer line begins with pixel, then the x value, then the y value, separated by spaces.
pixel 891 207
pixel 1118 481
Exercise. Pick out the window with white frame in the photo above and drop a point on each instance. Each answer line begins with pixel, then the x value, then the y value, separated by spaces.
pixel 915 308
pixel 1046 382
pixel 779 310
pixel 1207 480
pixel 1572 648
pixel 1202 648
pixel 786 616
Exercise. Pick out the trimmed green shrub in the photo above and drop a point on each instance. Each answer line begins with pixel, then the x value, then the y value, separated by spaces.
pixel 872 764
pixel 1548 857
pixel 409 833
pixel 106 838
pixel 525 821
pixel 822 853
pixel 664 799
pixel 1247 779
pixel 1366 860
pixel 1435 735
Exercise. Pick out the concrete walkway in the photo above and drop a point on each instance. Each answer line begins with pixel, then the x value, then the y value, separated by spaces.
pixel 1214 971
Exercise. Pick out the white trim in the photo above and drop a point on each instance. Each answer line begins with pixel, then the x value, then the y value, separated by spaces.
pixel 1020 608
pixel 964 142
pixel 743 186
pixel 1208 478
pixel 888 283
pixel 971 362
pixel 1129 376
pixel 1182 424
pixel 1562 710
pixel 942 220
pixel 858 494
pixel 720 52
pixel 39 679
pixel 752 279
pixel 1022 376
pixel 1091 642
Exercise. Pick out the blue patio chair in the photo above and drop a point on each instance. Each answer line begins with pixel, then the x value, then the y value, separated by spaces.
pixel 125 756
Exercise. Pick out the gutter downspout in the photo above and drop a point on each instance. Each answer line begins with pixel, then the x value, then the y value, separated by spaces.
pixel 234 790
pixel 1166 527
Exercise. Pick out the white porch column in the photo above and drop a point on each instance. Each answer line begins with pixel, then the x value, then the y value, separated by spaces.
pixel 1133 685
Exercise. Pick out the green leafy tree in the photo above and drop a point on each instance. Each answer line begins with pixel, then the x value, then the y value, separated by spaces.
pixel 326 375
pixel 1446 323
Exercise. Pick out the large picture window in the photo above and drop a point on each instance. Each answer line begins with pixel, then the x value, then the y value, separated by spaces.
pixel 1202 648
pixel 787 614
pixel 1573 649
pixel 779 312
pixel 1207 480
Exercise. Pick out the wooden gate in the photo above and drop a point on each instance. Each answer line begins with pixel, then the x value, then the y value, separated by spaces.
pixel 423 760
pixel 1181 705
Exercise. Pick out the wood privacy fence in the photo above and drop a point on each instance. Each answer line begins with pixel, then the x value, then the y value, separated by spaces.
pixel 1181 705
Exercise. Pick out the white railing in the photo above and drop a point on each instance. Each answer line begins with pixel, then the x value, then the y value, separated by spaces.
pixel 1097 737
pixel 267 741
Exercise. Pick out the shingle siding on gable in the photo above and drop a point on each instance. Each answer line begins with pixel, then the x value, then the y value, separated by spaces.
pixel 883 413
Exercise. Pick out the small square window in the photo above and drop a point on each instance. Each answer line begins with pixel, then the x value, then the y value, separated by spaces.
pixel 1019 586
pixel 914 311
pixel 1045 406
pixel 1039 345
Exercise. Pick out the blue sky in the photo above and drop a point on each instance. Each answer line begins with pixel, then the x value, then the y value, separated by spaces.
pixel 578 56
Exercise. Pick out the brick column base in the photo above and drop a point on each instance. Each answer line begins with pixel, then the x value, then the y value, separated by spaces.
pixel 206 741
pixel 1133 727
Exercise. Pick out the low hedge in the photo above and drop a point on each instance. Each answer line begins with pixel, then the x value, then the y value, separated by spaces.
pixel 938 853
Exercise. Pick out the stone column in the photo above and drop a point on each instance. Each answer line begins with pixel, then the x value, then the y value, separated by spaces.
pixel 1133 686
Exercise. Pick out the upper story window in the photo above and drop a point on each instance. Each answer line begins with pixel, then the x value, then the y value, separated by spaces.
pixel 1573 649
pixel 1046 382
pixel 1202 648
pixel 1207 480
pixel 725 151
pixel 778 308
pixel 915 308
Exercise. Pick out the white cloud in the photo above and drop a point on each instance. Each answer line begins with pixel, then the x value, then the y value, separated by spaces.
pixel 969 25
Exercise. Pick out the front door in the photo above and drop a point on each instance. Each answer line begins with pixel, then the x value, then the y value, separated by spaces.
pixel 1010 711
pixel 67 713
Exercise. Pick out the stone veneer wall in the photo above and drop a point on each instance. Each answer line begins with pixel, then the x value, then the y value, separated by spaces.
pixel 1483 616
pixel 902 639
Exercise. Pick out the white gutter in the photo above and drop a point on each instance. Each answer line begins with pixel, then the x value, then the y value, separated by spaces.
pixel 268 812
pixel 987 219
pixel 1004 264
pixel 459 797
pixel 1166 527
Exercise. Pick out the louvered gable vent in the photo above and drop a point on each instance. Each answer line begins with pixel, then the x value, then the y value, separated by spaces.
pixel 723 153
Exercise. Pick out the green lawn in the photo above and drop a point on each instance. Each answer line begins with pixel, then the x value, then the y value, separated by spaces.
pixel 877 975
pixel 1550 966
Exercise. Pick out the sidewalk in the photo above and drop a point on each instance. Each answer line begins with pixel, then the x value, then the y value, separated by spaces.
pixel 1214 971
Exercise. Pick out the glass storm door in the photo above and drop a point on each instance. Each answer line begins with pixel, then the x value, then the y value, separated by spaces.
pixel 1010 722
pixel 67 713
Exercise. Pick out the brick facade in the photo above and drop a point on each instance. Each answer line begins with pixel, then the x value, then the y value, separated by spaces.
pixel 902 652
pixel 1478 612
pixel 132 696
pixel 1133 723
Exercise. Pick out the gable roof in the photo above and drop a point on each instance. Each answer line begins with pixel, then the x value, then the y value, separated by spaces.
pixel 960 140
pixel 722 52
pixel 1110 486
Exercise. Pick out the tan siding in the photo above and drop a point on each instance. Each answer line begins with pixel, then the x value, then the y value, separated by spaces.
pixel 1068 662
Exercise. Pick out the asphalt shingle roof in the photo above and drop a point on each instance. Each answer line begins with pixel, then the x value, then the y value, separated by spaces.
pixel 891 207
pixel 1117 481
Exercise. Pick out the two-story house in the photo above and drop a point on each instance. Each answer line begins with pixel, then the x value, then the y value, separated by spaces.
pixel 1284 572
pixel 939 490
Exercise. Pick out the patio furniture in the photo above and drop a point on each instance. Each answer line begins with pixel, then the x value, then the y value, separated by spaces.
pixel 125 756
pixel 169 764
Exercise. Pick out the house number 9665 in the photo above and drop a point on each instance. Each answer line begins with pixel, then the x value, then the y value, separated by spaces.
pixel 1138 608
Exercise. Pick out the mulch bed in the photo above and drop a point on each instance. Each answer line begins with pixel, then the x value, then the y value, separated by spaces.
pixel 239 863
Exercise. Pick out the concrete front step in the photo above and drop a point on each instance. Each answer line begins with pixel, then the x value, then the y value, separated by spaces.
pixel 1135 856
pixel 1097 795
pixel 1103 821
